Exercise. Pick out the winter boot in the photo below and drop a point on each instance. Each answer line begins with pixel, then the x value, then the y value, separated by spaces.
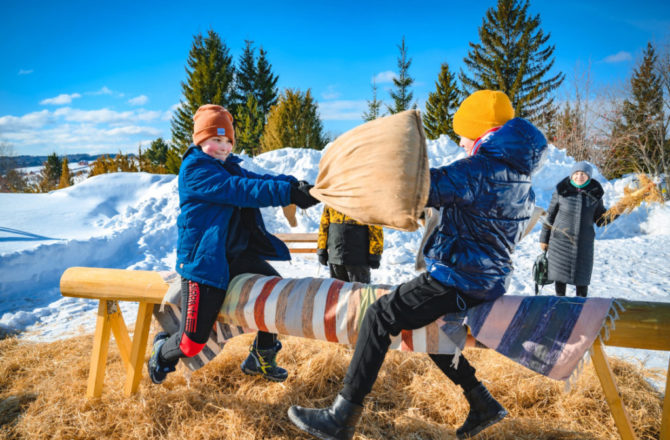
pixel 159 369
pixel 335 423
pixel 484 412
pixel 263 362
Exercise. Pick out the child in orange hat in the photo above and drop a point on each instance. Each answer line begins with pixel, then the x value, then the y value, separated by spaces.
pixel 221 234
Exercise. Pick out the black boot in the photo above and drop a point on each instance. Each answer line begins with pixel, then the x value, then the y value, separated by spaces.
pixel 335 423
pixel 484 412
pixel 264 362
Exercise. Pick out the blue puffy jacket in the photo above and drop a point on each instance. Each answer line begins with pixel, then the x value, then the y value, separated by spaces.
pixel 485 202
pixel 218 204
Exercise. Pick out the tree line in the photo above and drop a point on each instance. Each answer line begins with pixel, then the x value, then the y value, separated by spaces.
pixel 513 55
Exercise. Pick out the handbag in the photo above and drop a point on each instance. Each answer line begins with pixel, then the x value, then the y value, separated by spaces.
pixel 540 271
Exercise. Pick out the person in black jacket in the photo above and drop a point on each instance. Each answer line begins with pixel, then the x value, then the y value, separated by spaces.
pixel 567 234
pixel 348 247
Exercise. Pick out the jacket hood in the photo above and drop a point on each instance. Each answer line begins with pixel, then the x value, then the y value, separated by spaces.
pixel 230 159
pixel 594 188
pixel 518 143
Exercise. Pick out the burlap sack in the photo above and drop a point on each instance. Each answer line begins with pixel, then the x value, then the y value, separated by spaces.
pixel 377 173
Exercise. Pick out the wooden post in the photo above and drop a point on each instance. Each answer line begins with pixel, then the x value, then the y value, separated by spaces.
pixel 120 332
pixel 96 375
pixel 665 423
pixel 139 348
pixel 611 391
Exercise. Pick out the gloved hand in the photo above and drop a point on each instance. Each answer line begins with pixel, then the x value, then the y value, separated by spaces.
pixel 300 195
pixel 374 260
pixel 323 256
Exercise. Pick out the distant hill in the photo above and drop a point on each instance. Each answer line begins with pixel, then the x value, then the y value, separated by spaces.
pixel 34 161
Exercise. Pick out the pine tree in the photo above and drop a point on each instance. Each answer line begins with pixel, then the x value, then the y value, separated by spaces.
pixel 210 73
pixel 65 175
pixel 156 154
pixel 250 122
pixel 639 138
pixel 245 78
pixel 266 84
pixel 293 122
pixel 513 57
pixel 402 97
pixel 441 106
pixel 374 106
pixel 50 176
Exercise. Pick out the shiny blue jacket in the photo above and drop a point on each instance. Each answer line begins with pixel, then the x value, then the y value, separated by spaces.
pixel 212 196
pixel 485 202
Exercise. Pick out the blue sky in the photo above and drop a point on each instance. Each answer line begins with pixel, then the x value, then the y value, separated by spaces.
pixel 92 77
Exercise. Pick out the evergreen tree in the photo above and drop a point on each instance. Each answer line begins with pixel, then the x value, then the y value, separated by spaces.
pixel 65 175
pixel 245 79
pixel 374 106
pixel 50 175
pixel 210 74
pixel 250 122
pixel 156 154
pixel 513 57
pixel 266 84
pixel 293 122
pixel 441 106
pixel 639 138
pixel 402 96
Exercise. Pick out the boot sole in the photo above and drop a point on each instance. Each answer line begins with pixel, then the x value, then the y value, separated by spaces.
pixel 308 429
pixel 258 373
pixel 501 415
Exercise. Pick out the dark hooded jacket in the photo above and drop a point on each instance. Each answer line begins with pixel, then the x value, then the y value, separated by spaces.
pixel 485 202
pixel 568 230
pixel 220 217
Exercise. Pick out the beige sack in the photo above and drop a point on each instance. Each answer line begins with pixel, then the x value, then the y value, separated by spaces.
pixel 377 173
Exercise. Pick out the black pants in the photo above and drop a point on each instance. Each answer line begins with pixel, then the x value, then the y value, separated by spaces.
pixel 200 306
pixel 560 289
pixel 357 273
pixel 410 306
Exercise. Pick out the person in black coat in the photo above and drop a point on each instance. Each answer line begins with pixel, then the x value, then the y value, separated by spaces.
pixel 568 234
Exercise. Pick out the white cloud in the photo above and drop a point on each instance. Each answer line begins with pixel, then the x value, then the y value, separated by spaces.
pixel 139 100
pixel 9 123
pixel 60 99
pixel 106 116
pixel 167 115
pixel 384 77
pixel 618 57
pixel 342 110
pixel 103 91
pixel 331 93
pixel 25 71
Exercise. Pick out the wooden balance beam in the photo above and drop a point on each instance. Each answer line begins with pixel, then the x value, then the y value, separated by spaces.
pixel 643 325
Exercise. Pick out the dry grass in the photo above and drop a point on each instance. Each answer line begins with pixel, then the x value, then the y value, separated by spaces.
pixel 632 198
pixel 42 387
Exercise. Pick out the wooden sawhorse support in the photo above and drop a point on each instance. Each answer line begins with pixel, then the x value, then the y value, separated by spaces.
pixel 643 325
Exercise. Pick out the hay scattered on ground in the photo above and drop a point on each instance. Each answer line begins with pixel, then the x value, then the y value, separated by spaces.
pixel 43 385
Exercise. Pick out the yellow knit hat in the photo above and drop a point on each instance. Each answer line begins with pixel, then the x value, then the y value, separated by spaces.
pixel 482 111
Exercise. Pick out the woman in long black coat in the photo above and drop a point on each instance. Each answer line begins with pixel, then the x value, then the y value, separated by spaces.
pixel 568 231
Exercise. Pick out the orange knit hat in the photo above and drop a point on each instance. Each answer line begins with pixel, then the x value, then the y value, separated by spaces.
pixel 212 120
pixel 482 111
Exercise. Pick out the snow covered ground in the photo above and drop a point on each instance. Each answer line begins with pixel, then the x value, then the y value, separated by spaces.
pixel 128 221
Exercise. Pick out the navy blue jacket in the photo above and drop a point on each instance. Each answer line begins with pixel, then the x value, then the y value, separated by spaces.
pixel 219 204
pixel 485 202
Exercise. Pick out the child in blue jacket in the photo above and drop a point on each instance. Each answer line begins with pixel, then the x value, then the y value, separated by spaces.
pixel 221 234
pixel 485 202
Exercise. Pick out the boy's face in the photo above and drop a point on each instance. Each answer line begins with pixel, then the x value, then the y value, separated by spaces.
pixel 468 144
pixel 218 147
